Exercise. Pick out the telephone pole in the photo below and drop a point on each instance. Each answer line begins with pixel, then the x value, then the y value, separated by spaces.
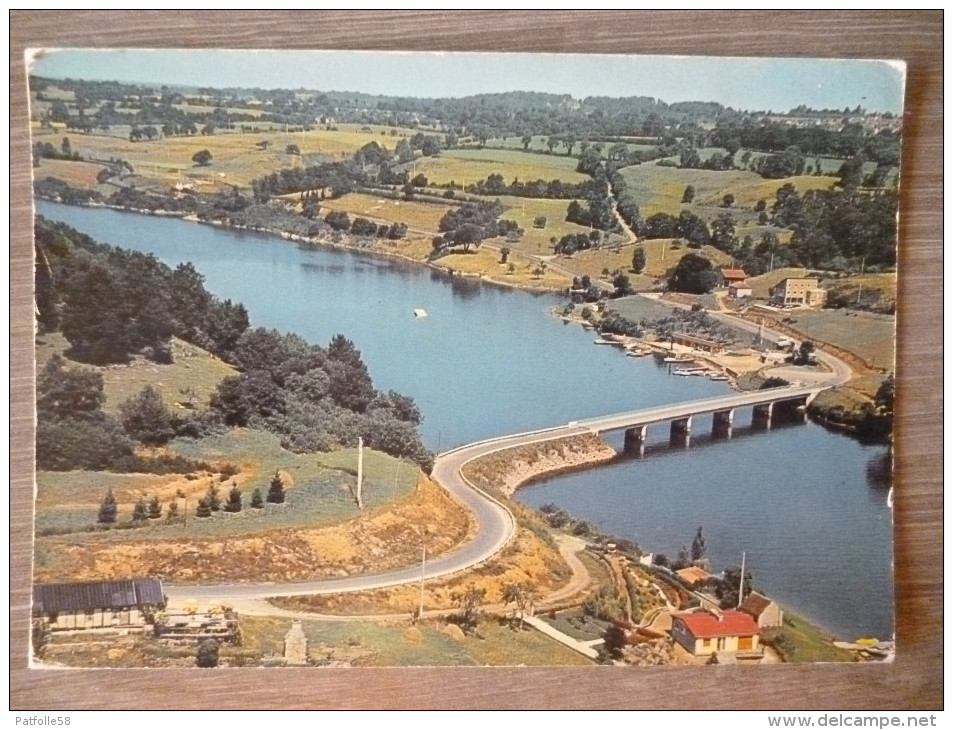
pixel 360 471
pixel 423 567
pixel 741 581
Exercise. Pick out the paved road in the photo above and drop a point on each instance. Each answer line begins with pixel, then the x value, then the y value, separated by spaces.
pixel 495 524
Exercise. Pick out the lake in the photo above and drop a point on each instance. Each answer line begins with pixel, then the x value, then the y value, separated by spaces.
pixel 807 506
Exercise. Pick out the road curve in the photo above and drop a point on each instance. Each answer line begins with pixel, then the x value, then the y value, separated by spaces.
pixel 495 523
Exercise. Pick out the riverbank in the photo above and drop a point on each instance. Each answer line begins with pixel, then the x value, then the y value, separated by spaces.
pixel 335 240
pixel 506 471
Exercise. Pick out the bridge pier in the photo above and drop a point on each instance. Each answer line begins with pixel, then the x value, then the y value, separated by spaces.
pixel 681 431
pixel 761 416
pixel 721 423
pixel 791 410
pixel 635 440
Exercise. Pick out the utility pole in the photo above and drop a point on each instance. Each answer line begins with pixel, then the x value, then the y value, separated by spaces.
pixel 423 567
pixel 741 581
pixel 360 471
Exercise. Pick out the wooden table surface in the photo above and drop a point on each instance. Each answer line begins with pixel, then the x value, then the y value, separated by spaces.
pixel 914 681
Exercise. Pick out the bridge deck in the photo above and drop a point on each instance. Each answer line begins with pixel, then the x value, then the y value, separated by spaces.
pixel 646 416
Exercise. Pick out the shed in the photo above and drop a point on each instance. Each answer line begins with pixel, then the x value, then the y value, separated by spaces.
pixel 765 612
pixel 97 604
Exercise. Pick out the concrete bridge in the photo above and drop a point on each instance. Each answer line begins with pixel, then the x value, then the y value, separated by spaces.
pixel 766 405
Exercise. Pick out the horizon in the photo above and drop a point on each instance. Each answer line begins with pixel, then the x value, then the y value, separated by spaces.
pixel 737 83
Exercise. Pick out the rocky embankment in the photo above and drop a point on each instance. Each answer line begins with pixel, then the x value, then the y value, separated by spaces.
pixel 507 470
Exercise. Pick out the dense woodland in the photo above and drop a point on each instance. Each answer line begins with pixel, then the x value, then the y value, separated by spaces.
pixel 114 305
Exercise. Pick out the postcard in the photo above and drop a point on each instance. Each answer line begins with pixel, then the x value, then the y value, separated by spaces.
pixel 355 359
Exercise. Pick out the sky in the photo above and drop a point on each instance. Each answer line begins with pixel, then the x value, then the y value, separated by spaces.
pixel 756 84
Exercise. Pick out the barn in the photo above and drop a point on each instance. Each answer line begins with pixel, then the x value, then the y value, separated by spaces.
pixel 97 604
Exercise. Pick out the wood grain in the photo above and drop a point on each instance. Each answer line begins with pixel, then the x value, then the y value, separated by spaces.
pixel 913 682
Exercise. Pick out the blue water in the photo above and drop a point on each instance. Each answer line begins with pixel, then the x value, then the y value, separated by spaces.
pixel 807 506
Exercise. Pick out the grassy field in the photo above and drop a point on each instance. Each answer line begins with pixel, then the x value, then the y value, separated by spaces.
pixel 416 214
pixel 800 643
pixel 536 241
pixel 661 255
pixel 869 335
pixel 193 368
pixel 467 166
pixel 485 262
pixel 235 157
pixel 301 539
pixel 660 189
pixel 321 492
pixel 78 174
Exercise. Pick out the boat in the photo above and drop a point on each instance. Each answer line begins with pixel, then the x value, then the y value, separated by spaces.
pixel 638 353
pixel 601 341
pixel 717 376
pixel 689 371
pixel 677 359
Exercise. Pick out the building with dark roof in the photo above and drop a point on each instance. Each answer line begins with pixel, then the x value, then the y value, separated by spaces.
pixel 97 604
pixel 765 612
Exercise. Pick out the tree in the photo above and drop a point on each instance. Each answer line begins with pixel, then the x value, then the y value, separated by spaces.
pixel 638 260
pixel 726 590
pixel 172 513
pixel 234 503
pixel 145 417
pixel 698 546
pixel 107 509
pixel 527 139
pixel 202 508
pixel 622 285
pixel 155 508
pixel 141 511
pixel 504 254
pixel 256 500
pixel 469 602
pixel 66 147
pixel 693 274
pixel 206 655
pixel 727 200
pixel 292 149
pixel 212 498
pixel 522 595
pixel 805 353
pixel 202 158
pixel 276 490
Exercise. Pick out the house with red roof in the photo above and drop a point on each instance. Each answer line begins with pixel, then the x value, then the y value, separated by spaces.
pixel 733 276
pixel 703 632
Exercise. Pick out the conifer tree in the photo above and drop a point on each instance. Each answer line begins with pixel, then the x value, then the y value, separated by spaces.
pixel 141 511
pixel 213 498
pixel 234 503
pixel 203 509
pixel 276 491
pixel 173 512
pixel 256 501
pixel 155 508
pixel 107 509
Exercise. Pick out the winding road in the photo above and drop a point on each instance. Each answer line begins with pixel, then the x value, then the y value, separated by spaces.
pixel 495 523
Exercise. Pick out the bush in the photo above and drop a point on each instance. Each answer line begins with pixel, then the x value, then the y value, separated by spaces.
pixel 206 656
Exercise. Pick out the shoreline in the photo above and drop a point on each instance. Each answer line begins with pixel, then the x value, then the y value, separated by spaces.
pixel 321 242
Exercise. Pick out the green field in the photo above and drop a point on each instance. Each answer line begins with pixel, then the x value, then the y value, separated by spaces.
pixel 800 643
pixel 467 166
pixel 374 644
pixel 322 492
pixel 869 335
